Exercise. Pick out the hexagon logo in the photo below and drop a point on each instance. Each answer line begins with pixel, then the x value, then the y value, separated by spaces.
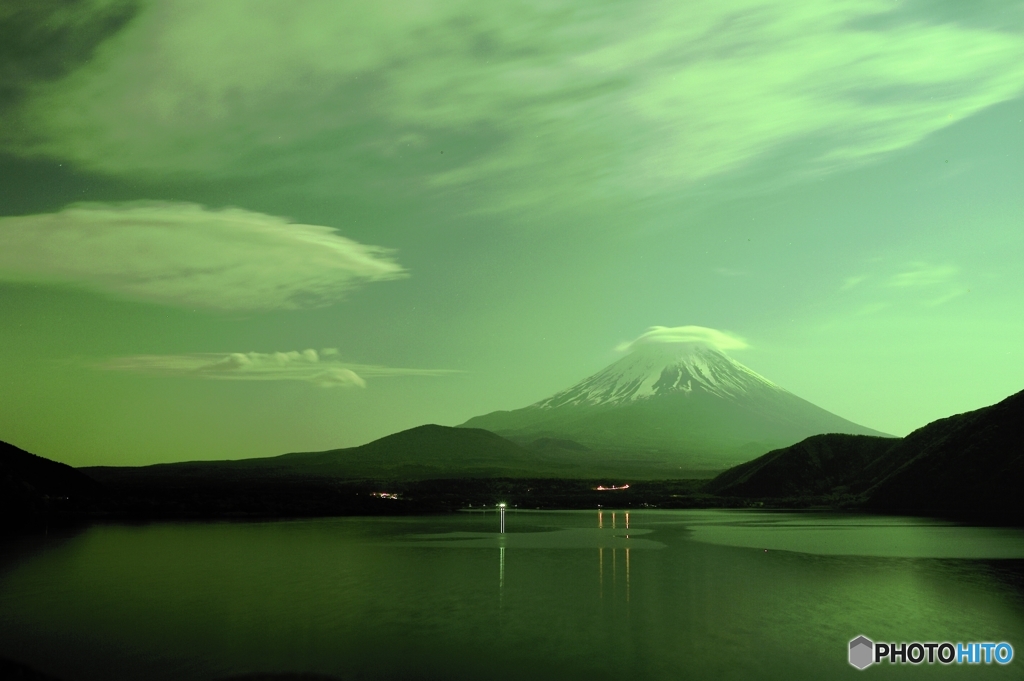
pixel 862 652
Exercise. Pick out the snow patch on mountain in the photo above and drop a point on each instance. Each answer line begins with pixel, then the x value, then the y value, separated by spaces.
pixel 661 369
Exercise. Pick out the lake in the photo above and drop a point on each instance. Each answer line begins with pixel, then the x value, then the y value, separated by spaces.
pixel 560 595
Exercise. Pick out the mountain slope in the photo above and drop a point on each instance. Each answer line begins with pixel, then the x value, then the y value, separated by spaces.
pixel 35 491
pixel 424 452
pixel 968 465
pixel 683 399
pixel 39 476
pixel 429 450
pixel 821 464
pixel 963 464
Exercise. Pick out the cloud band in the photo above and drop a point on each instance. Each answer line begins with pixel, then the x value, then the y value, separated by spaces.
pixel 184 254
pixel 309 366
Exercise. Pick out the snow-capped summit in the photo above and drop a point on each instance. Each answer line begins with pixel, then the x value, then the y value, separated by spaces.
pixel 677 397
pixel 661 369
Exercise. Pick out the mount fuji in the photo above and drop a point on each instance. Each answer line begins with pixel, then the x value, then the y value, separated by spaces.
pixel 682 402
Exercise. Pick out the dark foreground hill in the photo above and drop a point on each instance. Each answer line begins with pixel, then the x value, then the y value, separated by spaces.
pixel 820 465
pixel 34 490
pixel 422 470
pixel 968 465
pixel 428 452
pixel 424 452
pixel 335 482
pixel 965 466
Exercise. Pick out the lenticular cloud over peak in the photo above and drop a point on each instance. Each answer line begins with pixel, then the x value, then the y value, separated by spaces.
pixel 185 254
pixel 667 335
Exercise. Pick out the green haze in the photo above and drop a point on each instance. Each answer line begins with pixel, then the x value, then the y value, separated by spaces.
pixel 305 227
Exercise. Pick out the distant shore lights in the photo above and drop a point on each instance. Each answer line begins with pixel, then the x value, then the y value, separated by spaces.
pixel 602 488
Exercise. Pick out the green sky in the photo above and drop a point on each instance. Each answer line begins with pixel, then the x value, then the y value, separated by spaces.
pixel 244 228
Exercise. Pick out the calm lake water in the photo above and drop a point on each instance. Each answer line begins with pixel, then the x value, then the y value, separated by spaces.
pixel 567 595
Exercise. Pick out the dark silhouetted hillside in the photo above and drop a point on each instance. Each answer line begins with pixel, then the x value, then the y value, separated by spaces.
pixel 431 450
pixel 970 466
pixel 37 491
pixel 424 452
pixel 821 464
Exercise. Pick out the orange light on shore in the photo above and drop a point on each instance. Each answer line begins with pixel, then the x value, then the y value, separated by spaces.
pixel 602 488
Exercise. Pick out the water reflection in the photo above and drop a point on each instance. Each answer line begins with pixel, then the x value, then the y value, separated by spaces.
pixel 501 556
pixel 414 598
pixel 614 571
pixel 555 538
pixel 854 535
pixel 501 576
pixel 614 561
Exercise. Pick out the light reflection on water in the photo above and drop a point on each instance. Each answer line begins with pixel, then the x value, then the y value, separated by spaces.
pixel 673 595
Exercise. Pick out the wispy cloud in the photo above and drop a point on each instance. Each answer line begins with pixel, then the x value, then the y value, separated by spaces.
pixel 917 283
pixel 851 282
pixel 922 274
pixel 723 340
pixel 309 366
pixel 945 297
pixel 524 98
pixel 187 255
